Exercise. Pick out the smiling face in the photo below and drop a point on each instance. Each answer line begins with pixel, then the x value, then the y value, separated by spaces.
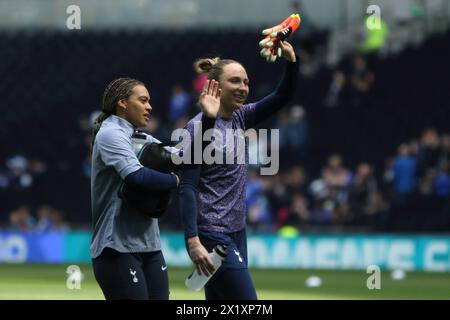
pixel 234 84
pixel 136 108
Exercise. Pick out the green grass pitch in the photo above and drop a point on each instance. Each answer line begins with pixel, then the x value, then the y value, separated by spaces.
pixel 49 282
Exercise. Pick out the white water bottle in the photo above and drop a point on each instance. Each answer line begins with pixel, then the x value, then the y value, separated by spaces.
pixel 197 281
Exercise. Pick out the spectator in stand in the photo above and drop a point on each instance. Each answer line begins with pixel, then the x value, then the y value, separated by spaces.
pixel 428 152
pixel 404 171
pixel 442 180
pixel 298 212
pixel 337 179
pixel 59 223
pixel 377 212
pixel 294 136
pixel 278 195
pixel 296 181
pixel 50 219
pixel 388 176
pixel 362 80
pixel 361 193
pixel 179 104
pixel 336 91
pixel 45 219
pixel 322 211
pixel 426 183
pixel 259 217
pixel 323 203
pixel 21 219
pixel 335 175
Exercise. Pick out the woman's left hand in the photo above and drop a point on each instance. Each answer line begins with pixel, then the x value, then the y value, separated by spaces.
pixel 287 51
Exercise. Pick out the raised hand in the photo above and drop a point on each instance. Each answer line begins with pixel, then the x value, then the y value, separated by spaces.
pixel 210 99
pixel 272 45
pixel 287 51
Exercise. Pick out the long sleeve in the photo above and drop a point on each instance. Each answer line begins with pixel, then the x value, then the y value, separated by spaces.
pixel 259 111
pixel 187 199
pixel 282 94
pixel 147 179
pixel 188 189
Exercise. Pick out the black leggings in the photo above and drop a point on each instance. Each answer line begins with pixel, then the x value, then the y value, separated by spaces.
pixel 136 276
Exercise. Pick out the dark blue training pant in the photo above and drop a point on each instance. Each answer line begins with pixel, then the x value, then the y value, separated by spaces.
pixel 232 280
pixel 134 276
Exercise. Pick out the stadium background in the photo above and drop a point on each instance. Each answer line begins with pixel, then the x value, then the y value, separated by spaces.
pixel 365 145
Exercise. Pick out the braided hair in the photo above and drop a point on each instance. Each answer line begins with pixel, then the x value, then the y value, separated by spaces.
pixel 116 90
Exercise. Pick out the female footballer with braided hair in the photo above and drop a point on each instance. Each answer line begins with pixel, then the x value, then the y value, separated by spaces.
pixel 212 197
pixel 125 248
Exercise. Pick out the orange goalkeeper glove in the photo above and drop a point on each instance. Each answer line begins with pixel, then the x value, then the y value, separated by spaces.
pixel 270 45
